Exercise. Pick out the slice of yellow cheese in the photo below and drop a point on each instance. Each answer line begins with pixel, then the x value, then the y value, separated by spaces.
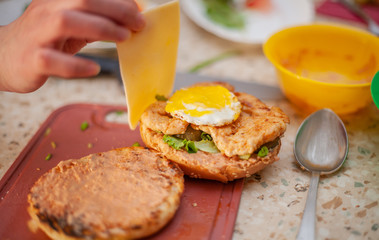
pixel 148 59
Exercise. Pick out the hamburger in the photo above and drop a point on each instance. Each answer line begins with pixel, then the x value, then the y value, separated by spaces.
pixel 213 132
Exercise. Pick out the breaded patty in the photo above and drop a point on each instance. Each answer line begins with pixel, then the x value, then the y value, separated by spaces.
pixel 256 125
pixel 120 194
pixel 156 118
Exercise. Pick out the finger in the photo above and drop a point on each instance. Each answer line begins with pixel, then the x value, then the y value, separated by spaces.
pixel 81 25
pixel 124 12
pixel 55 63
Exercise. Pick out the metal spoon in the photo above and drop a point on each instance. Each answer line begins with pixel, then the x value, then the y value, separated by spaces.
pixel 321 147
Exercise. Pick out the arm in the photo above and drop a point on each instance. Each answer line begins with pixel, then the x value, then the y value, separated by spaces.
pixel 43 40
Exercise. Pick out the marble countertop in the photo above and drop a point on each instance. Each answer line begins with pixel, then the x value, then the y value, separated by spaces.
pixel 273 200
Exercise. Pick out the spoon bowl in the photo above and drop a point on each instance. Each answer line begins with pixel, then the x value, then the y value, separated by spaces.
pixel 321 147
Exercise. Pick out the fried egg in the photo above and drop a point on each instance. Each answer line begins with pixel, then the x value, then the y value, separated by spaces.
pixel 211 105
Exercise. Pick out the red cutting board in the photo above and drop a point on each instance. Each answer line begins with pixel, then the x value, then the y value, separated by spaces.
pixel 208 209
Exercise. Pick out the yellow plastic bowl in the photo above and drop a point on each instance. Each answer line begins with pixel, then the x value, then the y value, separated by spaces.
pixel 325 66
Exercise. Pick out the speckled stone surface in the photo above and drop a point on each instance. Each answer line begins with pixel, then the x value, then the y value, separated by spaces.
pixel 348 200
pixel 272 200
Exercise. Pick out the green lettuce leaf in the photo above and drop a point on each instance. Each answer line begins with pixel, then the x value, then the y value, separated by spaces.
pixel 206 136
pixel 205 145
pixel 263 151
pixel 178 143
pixel 174 142
pixel 190 146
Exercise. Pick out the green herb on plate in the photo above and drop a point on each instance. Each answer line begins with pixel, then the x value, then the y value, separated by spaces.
pixel 224 13
pixel 136 144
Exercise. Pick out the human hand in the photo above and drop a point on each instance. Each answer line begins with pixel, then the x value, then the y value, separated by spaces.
pixel 42 41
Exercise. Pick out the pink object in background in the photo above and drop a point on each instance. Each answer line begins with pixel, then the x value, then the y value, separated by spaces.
pixel 335 9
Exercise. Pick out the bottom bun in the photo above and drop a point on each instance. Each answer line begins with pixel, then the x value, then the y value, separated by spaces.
pixel 120 194
pixel 214 166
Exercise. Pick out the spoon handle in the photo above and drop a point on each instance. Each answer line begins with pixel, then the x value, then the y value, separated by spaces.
pixel 308 222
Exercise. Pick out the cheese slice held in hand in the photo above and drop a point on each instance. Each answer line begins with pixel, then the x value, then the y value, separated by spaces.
pixel 148 59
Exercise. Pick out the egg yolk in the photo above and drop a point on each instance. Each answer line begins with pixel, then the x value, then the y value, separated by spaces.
pixel 205 105
pixel 198 101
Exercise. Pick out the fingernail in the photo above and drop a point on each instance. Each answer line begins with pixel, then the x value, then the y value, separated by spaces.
pixel 93 69
pixel 140 22
pixel 122 33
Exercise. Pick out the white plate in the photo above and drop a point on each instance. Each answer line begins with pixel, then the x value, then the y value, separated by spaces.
pixel 10 10
pixel 259 24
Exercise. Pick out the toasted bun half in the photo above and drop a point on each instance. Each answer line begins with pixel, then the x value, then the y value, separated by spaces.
pixel 124 193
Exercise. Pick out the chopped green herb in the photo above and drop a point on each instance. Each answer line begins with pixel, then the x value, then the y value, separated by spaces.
pixel 358 184
pixel 206 136
pixel 363 151
pixel 160 98
pixel 48 157
pixel 120 112
pixel 53 145
pixel 375 227
pixel 224 13
pixel 357 233
pixel 48 131
pixel 136 144
pixel 284 182
pixel 263 151
pixel 84 125
pixel 212 60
